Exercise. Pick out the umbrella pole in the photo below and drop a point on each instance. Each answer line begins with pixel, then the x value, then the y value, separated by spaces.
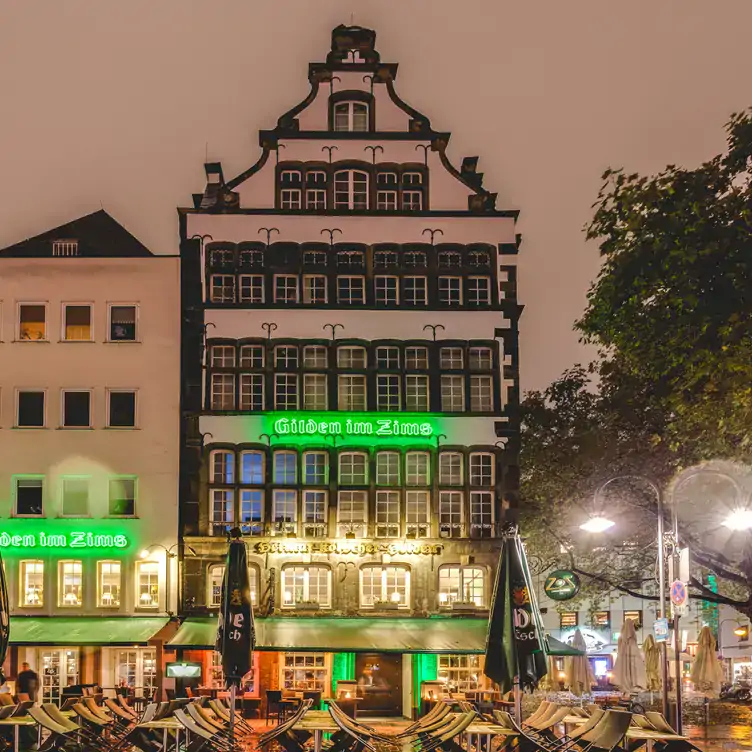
pixel 233 689
pixel 517 700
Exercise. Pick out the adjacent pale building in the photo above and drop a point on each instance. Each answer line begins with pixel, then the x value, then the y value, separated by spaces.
pixel 89 421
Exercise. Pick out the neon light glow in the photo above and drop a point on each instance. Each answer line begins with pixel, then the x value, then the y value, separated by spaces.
pixel 352 427
pixel 23 536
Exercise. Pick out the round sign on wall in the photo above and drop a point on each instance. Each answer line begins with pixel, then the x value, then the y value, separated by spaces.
pixel 561 585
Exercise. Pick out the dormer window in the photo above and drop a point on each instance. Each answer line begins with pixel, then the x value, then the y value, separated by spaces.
pixel 351 116
pixel 65 248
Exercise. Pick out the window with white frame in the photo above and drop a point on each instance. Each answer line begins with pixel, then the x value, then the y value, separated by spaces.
pixel 314 513
pixel 315 199
pixel 147 584
pixel 315 391
pixel 412 200
pixel 32 583
pixel 222 288
pixel 388 358
pixel 315 356
pixel 451 358
pixel 285 288
pixel 251 518
pixel 462 585
pixel 251 288
pixel 351 391
pixel 251 392
pixel 108 584
pixel 351 290
pixel 291 198
pixel 285 467
pixel 451 517
pixel 65 248
pixel 416 358
pixel 285 510
pixel 216 576
pixel 306 583
pixel 77 322
pixel 30 412
pixel 450 290
pixel 386 200
pixel 480 359
pixel 75 497
pixel 222 502
pixel 353 469
pixel 123 320
pixel 386 290
pixel 251 468
pixel 351 190
pixel 285 391
pixel 387 468
pixel 222 467
pixel 417 468
pixel 387 514
pixel 286 356
pixel 452 394
pixel 305 672
pixel 352 513
pixel 388 393
pixel 121 408
pixel 450 469
pixel 122 497
pixel 415 291
pixel 416 393
pixel 222 387
pixel 76 408
pixel 461 673
pixel 412 178
pixel 417 514
pixel 482 469
pixel 29 495
pixel 384 584
pixel 222 356
pixel 290 177
pixel 32 322
pixel 478 290
pixel 70 592
pixel 314 289
pixel 252 356
pixel 481 513
pixel 351 116
pixel 481 394
pixel 315 468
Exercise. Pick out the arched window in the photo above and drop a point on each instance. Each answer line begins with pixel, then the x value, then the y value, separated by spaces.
pixel 351 116
pixel 350 189
pixel 222 467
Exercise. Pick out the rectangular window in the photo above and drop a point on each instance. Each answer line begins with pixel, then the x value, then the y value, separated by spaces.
pixel 601 620
pixel 450 514
pixel 351 290
pixel 390 584
pixel 222 510
pixel 481 469
pixel 315 356
pixel 635 616
pixel 351 190
pixel 386 200
pixel 289 177
pixel 285 511
pixel 387 469
pixel 353 469
pixel 415 291
pixel 251 288
pixel 388 393
pixel 222 356
pixel 462 673
pixel 450 291
pixel 314 289
pixel 388 358
pixel 315 468
pixel 222 288
pixel 286 468
pixel 480 359
pixel 481 394
pixel 351 357
pixel 450 469
pixel 108 584
pixel 462 585
pixel 314 513
pixel 452 394
pixel 65 248
pixel 285 391
pixel 286 356
pixel 478 290
pixel 352 511
pixel 147 582
pixel 416 358
pixel 417 468
pixel 121 409
pixel 568 619
pixel 417 510
pixel 315 199
pixel 32 583
pixel 76 409
pixel 285 288
pixel 222 466
pixel 305 671
pixel 416 393
pixel 32 322
pixel 122 497
pixel 77 323
pixel 252 468
pixel 291 198
pixel 386 290
pixel 314 391
pixel 70 584
pixel 306 584
pixel 251 511
pixel 251 395
pixel 29 495
pixel 412 200
pixel 123 323
pixel 252 356
pixel 75 497
pixel 481 514
pixel 223 391
pixel 30 409
pixel 387 514
pixel 352 393
pixel 451 358
pixel 216 577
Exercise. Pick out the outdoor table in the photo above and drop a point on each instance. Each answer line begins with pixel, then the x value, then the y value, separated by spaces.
pixel 167 724
pixel 638 734
pixel 572 720
pixel 486 730
pixel 318 722
pixel 17 722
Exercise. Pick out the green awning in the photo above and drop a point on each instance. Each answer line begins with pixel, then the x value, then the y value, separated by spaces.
pixel 557 647
pixel 83 630
pixel 350 635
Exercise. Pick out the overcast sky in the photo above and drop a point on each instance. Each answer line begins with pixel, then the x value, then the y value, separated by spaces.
pixel 112 103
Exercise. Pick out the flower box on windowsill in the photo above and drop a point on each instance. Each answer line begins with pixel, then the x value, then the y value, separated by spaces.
pixel 385 606
pixel 465 606
pixel 307 606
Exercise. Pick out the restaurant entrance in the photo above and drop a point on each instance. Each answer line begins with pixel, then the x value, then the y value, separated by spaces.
pixel 379 677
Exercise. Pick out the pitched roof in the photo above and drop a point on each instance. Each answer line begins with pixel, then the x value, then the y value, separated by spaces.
pixel 98 235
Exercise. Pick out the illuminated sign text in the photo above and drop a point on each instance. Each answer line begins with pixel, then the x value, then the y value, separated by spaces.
pixel 73 539
pixel 354 425
pixel 352 548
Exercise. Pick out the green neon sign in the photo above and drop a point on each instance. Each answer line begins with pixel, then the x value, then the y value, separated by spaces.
pixel 352 427
pixel 24 537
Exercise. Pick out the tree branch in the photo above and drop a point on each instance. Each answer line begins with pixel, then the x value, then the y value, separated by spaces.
pixel 613 585
pixel 710 596
pixel 710 562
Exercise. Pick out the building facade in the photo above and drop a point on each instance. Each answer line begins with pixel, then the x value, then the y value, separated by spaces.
pixel 89 426
pixel 350 394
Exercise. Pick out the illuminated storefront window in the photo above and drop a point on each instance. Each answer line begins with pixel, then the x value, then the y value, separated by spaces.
pixel 32 583
pixel 306 584
pixel 147 575
pixel 108 579
pixel 306 671
pixel 460 673
pixel 462 585
pixel 388 585
pixel 70 584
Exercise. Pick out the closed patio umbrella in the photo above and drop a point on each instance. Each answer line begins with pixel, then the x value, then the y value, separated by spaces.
pixel 652 654
pixel 550 682
pixel 579 675
pixel 707 673
pixel 629 669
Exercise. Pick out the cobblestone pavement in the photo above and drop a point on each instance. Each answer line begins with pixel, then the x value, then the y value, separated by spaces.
pixel 721 738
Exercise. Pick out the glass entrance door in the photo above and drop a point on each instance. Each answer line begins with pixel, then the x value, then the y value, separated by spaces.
pixel 59 669
pixel 136 671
